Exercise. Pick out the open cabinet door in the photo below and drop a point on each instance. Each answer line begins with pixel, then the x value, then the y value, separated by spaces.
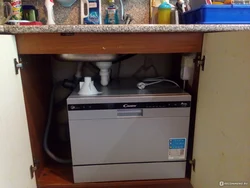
pixel 15 153
pixel 222 133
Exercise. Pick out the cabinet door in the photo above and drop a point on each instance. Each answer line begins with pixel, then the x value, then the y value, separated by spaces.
pixel 222 133
pixel 15 154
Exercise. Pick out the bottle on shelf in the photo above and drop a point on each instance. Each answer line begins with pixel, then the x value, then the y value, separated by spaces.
pixel 164 12
pixel 17 10
pixel 112 13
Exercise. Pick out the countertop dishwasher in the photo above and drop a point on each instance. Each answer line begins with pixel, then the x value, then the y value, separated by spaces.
pixel 129 134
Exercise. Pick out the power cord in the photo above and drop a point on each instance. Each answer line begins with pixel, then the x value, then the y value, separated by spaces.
pixel 153 81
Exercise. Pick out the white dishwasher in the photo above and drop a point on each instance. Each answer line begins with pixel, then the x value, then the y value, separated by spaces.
pixel 129 135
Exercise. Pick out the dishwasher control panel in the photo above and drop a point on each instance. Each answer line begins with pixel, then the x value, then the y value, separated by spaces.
pixel 109 106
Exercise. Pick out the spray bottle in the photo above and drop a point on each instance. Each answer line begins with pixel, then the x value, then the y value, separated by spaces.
pixel 50 12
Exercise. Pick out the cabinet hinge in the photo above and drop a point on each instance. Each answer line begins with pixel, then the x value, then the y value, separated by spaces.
pixel 200 61
pixel 18 65
pixel 33 168
pixel 193 163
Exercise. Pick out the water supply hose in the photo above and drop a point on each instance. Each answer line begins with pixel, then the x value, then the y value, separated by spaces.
pixel 46 134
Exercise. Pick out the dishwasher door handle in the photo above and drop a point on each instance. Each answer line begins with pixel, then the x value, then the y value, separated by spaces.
pixel 130 113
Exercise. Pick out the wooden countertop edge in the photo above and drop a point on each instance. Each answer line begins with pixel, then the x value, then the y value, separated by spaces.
pixel 101 43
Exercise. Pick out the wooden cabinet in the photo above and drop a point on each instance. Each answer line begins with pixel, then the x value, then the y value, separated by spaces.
pixel 222 142
pixel 15 155
pixel 118 43
pixel 222 121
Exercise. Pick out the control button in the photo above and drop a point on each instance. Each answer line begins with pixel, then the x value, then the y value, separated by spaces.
pixel 184 104
pixel 72 107
pixel 110 106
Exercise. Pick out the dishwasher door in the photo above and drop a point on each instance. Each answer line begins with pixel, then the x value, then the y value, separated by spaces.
pixel 127 140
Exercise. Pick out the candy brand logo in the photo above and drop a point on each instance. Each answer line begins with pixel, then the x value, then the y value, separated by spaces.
pixel 129 106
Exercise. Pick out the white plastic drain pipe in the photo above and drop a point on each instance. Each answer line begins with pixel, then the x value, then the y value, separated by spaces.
pixel 104 72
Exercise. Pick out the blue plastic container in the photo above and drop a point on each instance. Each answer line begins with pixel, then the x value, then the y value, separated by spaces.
pixel 218 14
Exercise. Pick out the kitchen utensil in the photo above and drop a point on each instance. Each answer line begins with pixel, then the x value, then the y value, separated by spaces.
pixel 84 10
pixel 175 17
pixel 187 5
pixel 23 22
pixel 154 11
pixel 243 2
pixel 217 3
pixel 66 3
pixel 31 23
pixel 3 6
pixel 128 19
pixel 30 13
pixel 50 12
pixel 180 6
pixel 208 2
pixel 228 2
pixel 17 22
pixel 154 4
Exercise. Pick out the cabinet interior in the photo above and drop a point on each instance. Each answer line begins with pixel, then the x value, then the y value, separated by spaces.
pixel 37 78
